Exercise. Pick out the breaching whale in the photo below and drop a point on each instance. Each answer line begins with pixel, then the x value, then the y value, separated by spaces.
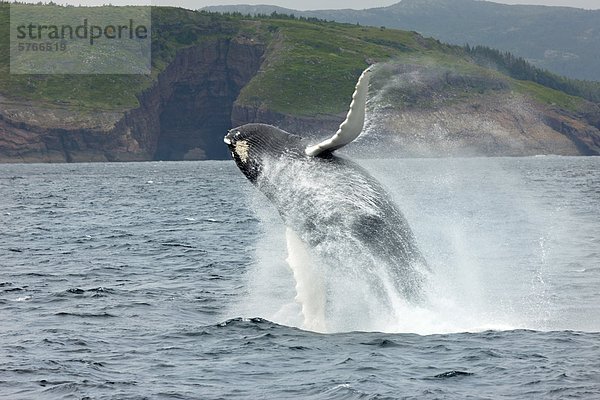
pixel 342 215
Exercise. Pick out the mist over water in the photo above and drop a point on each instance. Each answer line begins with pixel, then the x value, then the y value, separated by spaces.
pixel 495 236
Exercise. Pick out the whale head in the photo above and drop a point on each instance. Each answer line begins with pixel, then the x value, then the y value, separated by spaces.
pixel 252 145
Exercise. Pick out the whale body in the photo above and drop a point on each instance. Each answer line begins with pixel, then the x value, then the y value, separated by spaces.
pixel 342 215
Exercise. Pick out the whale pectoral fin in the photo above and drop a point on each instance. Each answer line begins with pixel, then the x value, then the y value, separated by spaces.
pixel 352 125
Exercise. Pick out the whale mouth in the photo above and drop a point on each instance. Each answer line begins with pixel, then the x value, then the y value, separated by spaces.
pixel 231 136
pixel 228 139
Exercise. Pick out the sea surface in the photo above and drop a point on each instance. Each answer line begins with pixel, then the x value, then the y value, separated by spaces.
pixel 170 281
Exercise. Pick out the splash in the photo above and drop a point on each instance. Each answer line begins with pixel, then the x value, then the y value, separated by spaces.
pixel 488 247
pixel 362 258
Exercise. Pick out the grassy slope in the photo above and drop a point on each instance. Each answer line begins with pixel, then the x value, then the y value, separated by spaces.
pixel 172 29
pixel 314 66
pixel 83 91
pixel 311 66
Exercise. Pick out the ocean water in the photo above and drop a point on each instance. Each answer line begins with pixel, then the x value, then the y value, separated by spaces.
pixel 173 281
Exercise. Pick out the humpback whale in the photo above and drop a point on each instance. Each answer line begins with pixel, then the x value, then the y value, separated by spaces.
pixel 342 215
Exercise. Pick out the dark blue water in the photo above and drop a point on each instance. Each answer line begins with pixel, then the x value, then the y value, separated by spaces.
pixel 169 281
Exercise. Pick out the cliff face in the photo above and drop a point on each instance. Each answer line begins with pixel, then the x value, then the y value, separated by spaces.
pixel 495 125
pixel 40 133
pixel 426 111
pixel 196 94
pixel 585 135
pixel 183 116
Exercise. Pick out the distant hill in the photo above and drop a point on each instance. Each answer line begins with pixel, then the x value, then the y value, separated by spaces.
pixel 250 9
pixel 563 40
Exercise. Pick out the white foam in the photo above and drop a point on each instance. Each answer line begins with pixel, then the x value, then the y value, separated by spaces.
pixel 488 246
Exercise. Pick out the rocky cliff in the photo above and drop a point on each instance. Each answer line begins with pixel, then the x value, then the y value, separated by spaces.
pixel 428 111
pixel 182 116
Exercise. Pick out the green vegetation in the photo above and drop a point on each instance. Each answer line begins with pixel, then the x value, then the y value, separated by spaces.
pixel 311 65
pixel 548 96
pixel 518 68
pixel 172 29
pixel 314 66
